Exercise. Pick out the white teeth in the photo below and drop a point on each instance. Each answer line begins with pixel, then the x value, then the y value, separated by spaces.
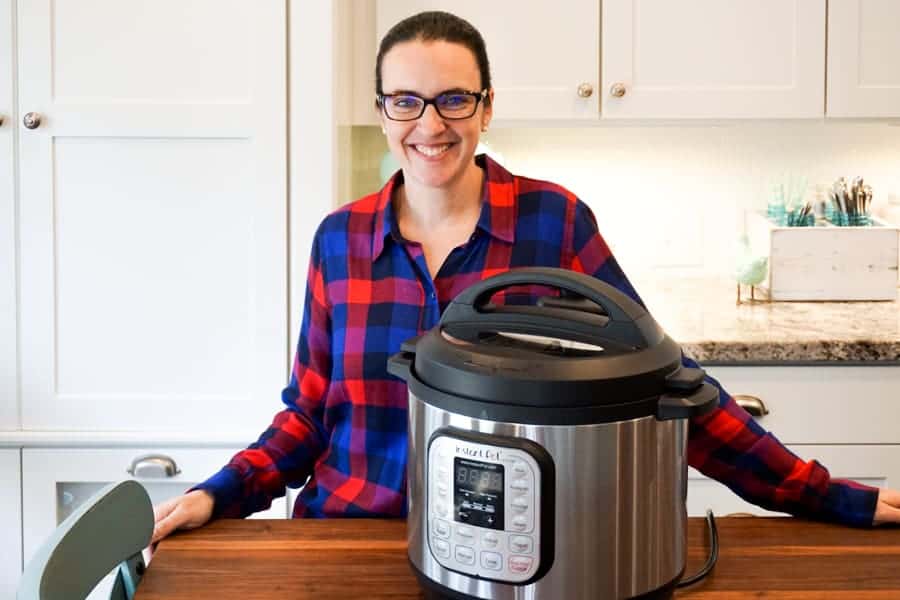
pixel 432 150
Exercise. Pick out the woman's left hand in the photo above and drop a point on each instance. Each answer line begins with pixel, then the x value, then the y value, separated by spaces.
pixel 887 510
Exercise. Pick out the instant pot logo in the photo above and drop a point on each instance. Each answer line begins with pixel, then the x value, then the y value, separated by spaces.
pixel 482 453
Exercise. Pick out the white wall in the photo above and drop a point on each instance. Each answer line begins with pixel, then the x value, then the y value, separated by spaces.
pixel 672 196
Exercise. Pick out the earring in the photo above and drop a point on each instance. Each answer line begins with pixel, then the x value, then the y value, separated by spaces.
pixel 383 130
pixel 484 128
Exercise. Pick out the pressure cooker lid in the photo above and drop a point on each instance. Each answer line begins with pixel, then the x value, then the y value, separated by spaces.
pixel 589 346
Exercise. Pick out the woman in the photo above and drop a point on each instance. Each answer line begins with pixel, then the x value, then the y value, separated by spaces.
pixel 383 268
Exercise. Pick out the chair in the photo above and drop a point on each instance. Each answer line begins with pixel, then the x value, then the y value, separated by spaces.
pixel 110 529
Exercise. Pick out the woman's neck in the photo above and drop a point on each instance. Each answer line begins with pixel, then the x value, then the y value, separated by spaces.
pixel 421 209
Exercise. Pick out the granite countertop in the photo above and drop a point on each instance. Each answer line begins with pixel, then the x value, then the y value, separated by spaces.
pixel 702 315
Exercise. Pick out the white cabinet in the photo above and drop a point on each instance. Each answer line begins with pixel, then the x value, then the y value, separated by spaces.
pixel 9 408
pixel 668 59
pixel 863 58
pixel 844 417
pixel 56 481
pixel 540 52
pixel 10 523
pixel 152 214
pixel 713 59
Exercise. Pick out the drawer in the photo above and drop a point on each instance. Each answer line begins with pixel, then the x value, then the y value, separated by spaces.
pixel 822 405
pixel 875 465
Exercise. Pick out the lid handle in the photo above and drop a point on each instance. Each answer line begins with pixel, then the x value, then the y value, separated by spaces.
pixel 625 325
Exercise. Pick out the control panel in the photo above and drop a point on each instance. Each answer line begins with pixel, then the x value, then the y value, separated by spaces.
pixel 484 505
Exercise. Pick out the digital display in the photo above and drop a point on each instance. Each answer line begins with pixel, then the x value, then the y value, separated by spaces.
pixel 481 479
pixel 478 493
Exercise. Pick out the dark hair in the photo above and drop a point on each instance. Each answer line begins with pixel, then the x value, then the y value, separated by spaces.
pixel 433 26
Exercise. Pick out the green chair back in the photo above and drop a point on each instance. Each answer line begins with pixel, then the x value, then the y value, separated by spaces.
pixel 107 532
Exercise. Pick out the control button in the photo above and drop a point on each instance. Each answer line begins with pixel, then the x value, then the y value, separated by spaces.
pixel 465 533
pixel 520 503
pixel 465 555
pixel 492 561
pixel 521 544
pixel 519 468
pixel 441 548
pixel 519 523
pixel 442 472
pixel 442 489
pixel 490 540
pixel 441 528
pixel 518 564
pixel 441 509
pixel 520 485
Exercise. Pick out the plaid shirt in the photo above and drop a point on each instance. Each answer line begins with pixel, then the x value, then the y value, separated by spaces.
pixel 344 426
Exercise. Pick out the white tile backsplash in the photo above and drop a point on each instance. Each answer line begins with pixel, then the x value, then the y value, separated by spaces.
pixel 672 196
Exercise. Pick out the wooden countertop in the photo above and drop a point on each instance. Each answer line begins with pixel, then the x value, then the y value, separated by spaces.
pixel 334 559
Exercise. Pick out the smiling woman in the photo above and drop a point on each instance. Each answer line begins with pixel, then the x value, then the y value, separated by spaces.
pixel 384 268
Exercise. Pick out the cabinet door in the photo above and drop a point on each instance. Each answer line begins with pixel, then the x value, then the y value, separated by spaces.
pixel 153 214
pixel 10 524
pixel 713 58
pixel 875 465
pixel 9 402
pixel 540 52
pixel 863 58
pixel 56 481
pixel 822 405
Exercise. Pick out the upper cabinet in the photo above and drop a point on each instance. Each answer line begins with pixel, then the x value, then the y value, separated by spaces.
pixel 864 58
pixel 152 214
pixel 9 407
pixel 669 59
pixel 713 59
pixel 543 55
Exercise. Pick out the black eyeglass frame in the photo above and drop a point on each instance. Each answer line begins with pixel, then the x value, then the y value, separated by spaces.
pixel 479 97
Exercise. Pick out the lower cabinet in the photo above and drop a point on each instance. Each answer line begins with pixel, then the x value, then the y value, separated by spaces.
pixel 844 417
pixel 875 465
pixel 10 523
pixel 56 481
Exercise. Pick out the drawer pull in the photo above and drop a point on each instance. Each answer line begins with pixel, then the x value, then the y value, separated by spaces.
pixel 752 405
pixel 153 466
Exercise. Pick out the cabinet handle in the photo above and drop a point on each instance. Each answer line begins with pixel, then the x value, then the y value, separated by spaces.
pixel 752 405
pixel 153 466
pixel 585 90
pixel 32 120
pixel 617 90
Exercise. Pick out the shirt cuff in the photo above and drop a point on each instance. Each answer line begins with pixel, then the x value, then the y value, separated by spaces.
pixel 850 503
pixel 225 488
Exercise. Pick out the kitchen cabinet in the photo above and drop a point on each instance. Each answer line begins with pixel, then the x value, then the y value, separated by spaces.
pixel 56 481
pixel 9 408
pixel 660 59
pixel 544 59
pixel 152 214
pixel 713 59
pixel 10 523
pixel 844 417
pixel 863 58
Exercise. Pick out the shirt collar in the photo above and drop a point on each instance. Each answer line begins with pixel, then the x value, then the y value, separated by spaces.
pixel 498 206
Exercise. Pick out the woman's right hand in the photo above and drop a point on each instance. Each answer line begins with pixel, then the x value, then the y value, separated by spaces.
pixel 183 512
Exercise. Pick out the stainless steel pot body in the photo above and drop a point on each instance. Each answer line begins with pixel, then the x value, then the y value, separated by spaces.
pixel 620 506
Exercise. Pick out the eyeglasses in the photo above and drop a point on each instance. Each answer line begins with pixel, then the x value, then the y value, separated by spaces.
pixel 449 105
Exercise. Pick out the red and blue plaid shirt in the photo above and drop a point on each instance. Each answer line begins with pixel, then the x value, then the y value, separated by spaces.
pixel 343 431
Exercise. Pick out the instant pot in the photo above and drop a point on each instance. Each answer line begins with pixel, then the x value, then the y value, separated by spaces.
pixel 547 444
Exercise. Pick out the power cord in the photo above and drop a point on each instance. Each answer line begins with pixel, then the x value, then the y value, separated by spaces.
pixel 713 553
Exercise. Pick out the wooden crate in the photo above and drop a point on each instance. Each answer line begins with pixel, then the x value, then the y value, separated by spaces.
pixel 827 262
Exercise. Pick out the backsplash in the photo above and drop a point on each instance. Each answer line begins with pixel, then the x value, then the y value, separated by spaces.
pixel 672 196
